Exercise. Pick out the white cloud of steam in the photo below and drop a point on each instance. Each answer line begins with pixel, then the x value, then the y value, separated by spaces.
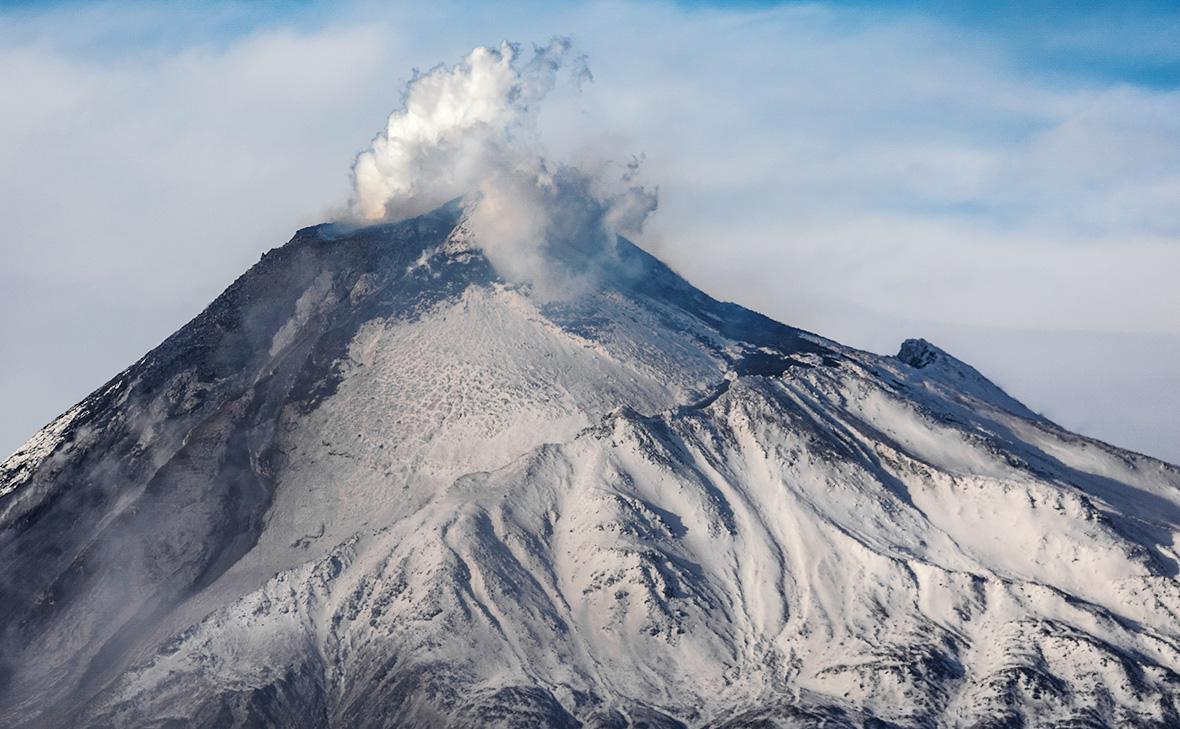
pixel 470 131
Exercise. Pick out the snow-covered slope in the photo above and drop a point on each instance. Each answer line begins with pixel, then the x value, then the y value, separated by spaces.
pixel 373 485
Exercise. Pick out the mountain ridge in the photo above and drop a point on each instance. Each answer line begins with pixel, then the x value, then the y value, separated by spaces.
pixel 374 484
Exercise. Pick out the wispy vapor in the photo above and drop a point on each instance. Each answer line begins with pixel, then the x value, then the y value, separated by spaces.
pixel 470 131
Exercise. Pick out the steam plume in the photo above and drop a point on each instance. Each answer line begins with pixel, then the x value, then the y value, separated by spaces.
pixel 470 131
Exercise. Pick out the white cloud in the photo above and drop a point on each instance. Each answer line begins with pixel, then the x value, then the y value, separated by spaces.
pixel 457 123
pixel 469 131
pixel 811 161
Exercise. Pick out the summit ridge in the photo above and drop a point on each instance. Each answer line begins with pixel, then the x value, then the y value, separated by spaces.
pixel 377 484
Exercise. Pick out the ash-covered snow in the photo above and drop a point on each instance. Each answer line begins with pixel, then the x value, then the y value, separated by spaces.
pixel 374 485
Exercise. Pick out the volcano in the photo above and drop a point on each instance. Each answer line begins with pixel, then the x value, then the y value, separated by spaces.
pixel 376 484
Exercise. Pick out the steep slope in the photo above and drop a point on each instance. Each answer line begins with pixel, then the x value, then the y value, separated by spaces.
pixel 375 485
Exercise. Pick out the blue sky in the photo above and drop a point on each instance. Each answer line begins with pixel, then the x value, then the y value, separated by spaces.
pixel 974 172
pixel 1126 41
pixel 1079 42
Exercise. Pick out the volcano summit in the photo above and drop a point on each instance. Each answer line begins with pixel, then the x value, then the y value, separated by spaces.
pixel 375 484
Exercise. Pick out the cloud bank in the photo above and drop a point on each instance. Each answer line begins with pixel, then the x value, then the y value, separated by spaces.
pixel 470 131
pixel 867 171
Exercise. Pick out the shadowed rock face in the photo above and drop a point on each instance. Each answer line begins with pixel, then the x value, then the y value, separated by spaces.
pixel 373 485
